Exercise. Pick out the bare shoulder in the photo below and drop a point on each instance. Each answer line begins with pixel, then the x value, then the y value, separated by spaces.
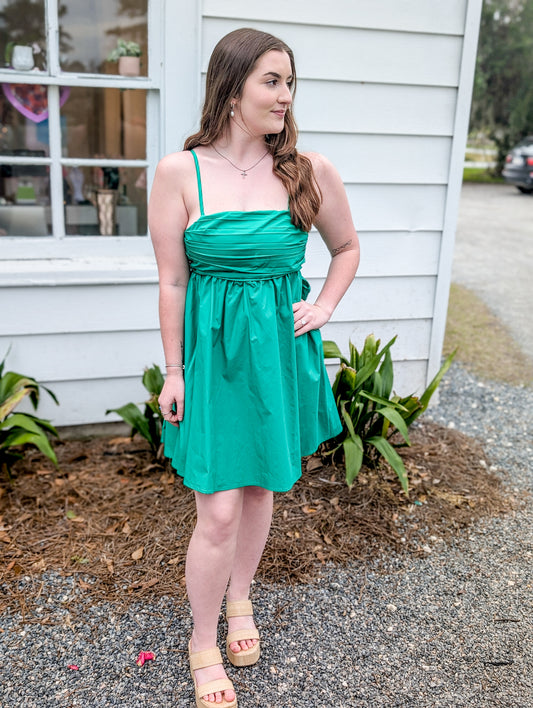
pixel 176 164
pixel 325 171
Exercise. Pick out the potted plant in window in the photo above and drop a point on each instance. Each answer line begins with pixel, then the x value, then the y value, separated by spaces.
pixel 127 54
pixel 19 56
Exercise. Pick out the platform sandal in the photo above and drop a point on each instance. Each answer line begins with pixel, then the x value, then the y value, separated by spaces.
pixel 201 660
pixel 244 657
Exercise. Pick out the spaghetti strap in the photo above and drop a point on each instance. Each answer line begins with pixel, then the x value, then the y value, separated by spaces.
pixel 199 180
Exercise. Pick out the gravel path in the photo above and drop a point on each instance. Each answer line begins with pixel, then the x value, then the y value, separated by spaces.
pixel 453 628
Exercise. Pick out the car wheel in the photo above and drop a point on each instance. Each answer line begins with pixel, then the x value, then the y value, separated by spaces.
pixel 525 190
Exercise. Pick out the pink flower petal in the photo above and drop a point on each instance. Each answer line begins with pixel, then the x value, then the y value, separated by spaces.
pixel 144 656
pixel 73 667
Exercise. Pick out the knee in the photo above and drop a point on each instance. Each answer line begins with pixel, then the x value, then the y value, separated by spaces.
pixel 258 496
pixel 220 526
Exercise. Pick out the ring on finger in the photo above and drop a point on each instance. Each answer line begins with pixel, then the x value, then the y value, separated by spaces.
pixel 303 322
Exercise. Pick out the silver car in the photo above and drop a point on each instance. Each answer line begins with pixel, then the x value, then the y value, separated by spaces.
pixel 518 168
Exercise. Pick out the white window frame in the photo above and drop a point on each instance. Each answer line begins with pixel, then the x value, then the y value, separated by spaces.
pixel 59 244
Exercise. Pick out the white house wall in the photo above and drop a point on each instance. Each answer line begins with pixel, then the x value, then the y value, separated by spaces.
pixel 378 93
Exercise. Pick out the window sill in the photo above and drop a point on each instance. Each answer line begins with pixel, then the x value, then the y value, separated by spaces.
pixel 78 271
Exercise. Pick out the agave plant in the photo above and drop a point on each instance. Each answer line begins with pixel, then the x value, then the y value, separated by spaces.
pixel 371 414
pixel 147 423
pixel 18 429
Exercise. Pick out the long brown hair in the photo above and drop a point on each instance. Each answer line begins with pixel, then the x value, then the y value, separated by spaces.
pixel 232 61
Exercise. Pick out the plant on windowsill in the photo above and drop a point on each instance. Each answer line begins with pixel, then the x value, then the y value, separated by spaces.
pixel 22 57
pixel 127 54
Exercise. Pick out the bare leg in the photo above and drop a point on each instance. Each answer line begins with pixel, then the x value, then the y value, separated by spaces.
pixel 209 560
pixel 255 523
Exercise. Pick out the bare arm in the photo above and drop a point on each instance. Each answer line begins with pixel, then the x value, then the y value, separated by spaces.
pixel 167 219
pixel 334 222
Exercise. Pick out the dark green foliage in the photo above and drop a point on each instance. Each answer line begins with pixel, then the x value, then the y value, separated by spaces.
pixel 19 429
pixel 371 414
pixel 148 423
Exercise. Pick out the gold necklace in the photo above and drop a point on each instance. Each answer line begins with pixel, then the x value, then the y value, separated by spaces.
pixel 244 172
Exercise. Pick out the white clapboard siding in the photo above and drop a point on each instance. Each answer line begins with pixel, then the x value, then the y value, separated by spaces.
pixel 78 308
pixel 380 109
pixel 84 355
pixel 397 207
pixel 383 298
pixel 410 377
pixel 357 55
pixel 27 272
pixel 379 159
pixel 406 15
pixel 84 402
pixel 416 253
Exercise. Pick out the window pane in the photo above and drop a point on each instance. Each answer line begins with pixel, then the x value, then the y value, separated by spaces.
pixel 105 122
pixel 24 200
pixel 22 26
pixel 91 28
pixel 24 119
pixel 105 201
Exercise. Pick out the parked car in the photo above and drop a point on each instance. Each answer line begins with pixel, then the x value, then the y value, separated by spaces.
pixel 518 168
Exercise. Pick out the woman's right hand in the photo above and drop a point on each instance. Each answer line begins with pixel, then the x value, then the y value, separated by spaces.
pixel 172 398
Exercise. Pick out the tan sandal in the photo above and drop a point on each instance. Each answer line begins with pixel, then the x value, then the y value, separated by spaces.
pixel 201 660
pixel 244 657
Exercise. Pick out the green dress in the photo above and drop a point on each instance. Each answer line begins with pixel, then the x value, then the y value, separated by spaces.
pixel 257 398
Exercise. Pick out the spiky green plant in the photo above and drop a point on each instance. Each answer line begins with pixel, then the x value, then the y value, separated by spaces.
pixel 19 429
pixel 147 423
pixel 371 414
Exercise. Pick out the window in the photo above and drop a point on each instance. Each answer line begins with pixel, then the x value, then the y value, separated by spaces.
pixel 74 122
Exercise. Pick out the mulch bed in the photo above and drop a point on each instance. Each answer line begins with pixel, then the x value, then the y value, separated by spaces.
pixel 120 522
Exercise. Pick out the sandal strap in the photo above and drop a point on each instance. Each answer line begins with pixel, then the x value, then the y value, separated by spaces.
pixel 214 686
pixel 240 634
pixel 205 658
pixel 239 608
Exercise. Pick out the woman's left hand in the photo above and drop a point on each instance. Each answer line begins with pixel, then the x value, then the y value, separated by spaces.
pixel 307 317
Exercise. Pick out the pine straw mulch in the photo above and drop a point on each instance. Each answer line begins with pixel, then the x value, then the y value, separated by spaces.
pixel 120 523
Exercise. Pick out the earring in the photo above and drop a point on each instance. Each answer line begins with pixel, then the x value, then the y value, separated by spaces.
pixel 232 112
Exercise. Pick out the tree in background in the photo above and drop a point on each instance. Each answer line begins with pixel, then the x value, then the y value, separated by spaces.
pixel 502 104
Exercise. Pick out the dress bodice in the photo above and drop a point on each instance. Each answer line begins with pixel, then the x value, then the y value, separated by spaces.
pixel 245 245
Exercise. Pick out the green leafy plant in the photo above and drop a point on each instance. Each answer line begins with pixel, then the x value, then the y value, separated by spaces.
pixel 125 49
pixel 371 414
pixel 18 429
pixel 147 423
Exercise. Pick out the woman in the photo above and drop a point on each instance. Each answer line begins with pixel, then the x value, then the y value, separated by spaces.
pixel 246 392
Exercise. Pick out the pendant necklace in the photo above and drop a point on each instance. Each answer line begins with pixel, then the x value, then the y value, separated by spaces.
pixel 244 172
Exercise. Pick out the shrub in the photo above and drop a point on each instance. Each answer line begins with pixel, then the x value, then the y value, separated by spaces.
pixel 148 423
pixel 18 429
pixel 370 413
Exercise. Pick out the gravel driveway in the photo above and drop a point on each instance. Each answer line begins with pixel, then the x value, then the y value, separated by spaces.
pixel 494 253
